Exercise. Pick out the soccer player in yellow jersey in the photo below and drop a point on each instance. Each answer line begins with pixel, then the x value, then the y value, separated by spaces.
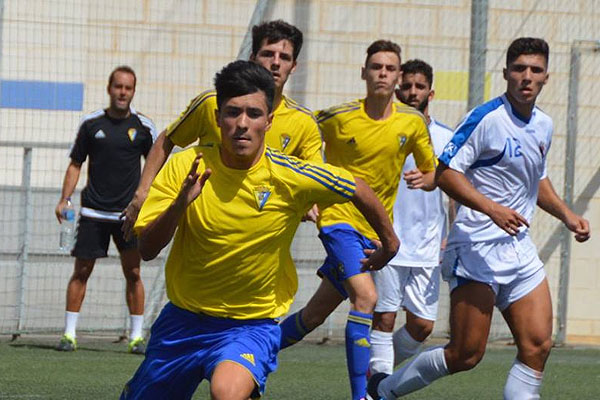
pixel 234 209
pixel 371 138
pixel 294 131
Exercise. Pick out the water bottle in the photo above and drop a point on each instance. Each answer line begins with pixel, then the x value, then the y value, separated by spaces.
pixel 67 227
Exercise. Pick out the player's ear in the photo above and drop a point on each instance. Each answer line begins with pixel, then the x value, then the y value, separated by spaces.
pixel 505 73
pixel 431 94
pixel 269 122
pixel 363 73
pixel 294 65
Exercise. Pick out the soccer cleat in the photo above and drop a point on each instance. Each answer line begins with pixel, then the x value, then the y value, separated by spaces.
pixel 373 384
pixel 137 346
pixel 67 343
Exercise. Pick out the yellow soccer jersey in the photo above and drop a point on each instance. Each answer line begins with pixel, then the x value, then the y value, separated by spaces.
pixel 231 252
pixel 294 130
pixel 374 151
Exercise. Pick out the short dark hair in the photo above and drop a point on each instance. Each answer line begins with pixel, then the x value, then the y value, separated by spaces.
pixel 527 45
pixel 122 68
pixel 275 31
pixel 382 45
pixel 417 66
pixel 240 78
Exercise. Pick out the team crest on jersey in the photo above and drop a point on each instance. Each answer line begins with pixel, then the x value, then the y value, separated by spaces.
pixel 285 140
pixel 261 195
pixel 100 134
pixel 401 140
pixel 351 141
pixel 132 133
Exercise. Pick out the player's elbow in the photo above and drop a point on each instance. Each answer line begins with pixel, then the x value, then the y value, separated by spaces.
pixel 148 250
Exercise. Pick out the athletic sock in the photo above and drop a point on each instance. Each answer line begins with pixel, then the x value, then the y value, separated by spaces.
pixel 71 323
pixel 404 345
pixel 382 352
pixel 357 351
pixel 293 330
pixel 136 326
pixel 425 368
pixel 523 382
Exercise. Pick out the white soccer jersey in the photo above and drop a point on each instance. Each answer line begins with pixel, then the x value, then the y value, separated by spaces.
pixel 419 216
pixel 504 156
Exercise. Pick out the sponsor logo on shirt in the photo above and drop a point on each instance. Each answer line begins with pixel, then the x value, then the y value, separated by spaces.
pixel 450 149
pixel 285 140
pixel 248 357
pixel 262 194
pixel 352 141
pixel 100 134
pixel 132 133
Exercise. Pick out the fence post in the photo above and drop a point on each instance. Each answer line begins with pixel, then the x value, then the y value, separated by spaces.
pixel 258 15
pixel 565 234
pixel 25 231
pixel 477 52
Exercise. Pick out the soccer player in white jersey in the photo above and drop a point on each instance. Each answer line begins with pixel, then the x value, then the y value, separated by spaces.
pixel 495 166
pixel 412 279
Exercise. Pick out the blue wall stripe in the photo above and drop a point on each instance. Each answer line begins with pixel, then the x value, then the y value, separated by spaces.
pixel 41 95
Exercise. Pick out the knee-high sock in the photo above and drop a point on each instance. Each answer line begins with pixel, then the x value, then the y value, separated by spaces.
pixel 292 330
pixel 357 351
pixel 523 383
pixel 382 352
pixel 420 372
pixel 404 345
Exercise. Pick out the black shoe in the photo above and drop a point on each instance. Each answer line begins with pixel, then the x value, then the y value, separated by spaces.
pixel 373 384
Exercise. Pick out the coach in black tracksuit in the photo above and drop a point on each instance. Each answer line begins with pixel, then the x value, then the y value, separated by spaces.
pixel 114 139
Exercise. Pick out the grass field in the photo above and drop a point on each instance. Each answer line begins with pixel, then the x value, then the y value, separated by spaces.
pixel 31 369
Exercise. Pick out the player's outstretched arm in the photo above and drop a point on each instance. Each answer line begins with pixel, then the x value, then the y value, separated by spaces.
pixel 371 208
pixel 159 232
pixel 549 201
pixel 69 183
pixel 156 158
pixel 458 187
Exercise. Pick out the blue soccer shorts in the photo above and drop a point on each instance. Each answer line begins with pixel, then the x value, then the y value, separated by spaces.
pixel 345 248
pixel 185 348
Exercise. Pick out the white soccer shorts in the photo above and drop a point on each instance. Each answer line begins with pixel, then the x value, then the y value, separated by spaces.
pixel 510 266
pixel 416 289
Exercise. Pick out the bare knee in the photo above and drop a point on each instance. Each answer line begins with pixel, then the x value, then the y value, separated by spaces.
pixel 463 359
pixel 419 328
pixel 364 301
pixel 231 382
pixel 384 321
pixel 132 276
pixel 535 352
pixel 82 270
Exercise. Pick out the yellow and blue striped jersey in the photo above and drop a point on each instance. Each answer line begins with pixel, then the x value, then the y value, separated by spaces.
pixel 231 252
pixel 294 130
pixel 374 151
